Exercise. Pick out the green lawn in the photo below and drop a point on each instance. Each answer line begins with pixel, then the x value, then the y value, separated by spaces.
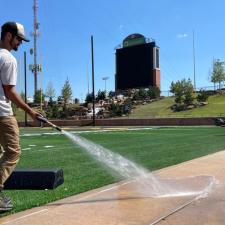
pixel 153 149
pixel 154 109
pixel 161 108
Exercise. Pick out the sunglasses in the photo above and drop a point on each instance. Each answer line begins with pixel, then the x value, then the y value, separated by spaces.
pixel 19 38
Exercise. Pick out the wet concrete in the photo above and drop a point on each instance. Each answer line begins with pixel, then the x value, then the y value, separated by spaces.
pixel 128 203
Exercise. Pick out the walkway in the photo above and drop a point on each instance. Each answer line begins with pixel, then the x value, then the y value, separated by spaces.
pixel 126 203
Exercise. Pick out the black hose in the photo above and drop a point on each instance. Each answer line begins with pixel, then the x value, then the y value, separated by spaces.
pixel 44 120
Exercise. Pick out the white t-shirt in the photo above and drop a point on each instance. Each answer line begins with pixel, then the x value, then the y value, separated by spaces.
pixel 8 76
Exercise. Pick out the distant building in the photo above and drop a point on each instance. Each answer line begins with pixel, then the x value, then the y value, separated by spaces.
pixel 137 63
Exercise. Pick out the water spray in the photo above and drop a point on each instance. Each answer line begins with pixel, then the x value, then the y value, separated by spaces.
pixel 148 183
pixel 45 120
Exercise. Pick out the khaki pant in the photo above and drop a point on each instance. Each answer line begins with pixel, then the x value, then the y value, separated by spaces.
pixel 9 141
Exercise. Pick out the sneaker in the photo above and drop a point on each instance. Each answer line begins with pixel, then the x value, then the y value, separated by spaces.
pixel 5 202
pixel 6 199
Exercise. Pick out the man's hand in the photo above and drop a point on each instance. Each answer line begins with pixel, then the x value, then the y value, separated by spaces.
pixel 35 114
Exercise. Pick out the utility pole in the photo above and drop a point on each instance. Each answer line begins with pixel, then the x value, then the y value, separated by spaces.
pixel 35 68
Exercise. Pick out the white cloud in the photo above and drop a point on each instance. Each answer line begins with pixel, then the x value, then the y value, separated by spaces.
pixel 182 35
pixel 120 27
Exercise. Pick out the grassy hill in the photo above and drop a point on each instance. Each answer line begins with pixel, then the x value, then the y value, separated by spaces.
pixel 161 108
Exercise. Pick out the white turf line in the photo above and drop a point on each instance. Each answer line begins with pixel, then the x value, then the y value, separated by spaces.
pixel 43 149
pixel 87 131
pixel 109 130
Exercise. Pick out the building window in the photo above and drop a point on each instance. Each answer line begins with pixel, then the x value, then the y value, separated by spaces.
pixel 155 58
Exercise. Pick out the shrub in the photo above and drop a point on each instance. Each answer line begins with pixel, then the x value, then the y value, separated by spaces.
pixel 117 110
pixel 154 92
pixel 202 96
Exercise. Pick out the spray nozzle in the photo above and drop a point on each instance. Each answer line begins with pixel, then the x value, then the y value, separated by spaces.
pixel 44 120
pixel 58 128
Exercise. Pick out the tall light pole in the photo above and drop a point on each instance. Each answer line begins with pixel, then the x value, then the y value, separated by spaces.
pixel 93 78
pixel 25 83
pixel 193 34
pixel 105 79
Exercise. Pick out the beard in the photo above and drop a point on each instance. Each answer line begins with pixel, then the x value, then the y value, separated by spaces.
pixel 15 48
pixel 13 45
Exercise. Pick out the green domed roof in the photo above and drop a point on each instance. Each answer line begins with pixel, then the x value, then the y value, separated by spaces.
pixel 134 39
pixel 134 36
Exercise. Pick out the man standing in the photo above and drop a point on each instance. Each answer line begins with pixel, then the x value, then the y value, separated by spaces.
pixel 12 35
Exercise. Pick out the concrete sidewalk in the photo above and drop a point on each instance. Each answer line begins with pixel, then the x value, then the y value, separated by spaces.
pixel 126 203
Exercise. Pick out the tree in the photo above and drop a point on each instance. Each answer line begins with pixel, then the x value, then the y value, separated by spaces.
pixel 101 95
pixel 153 92
pixel 202 96
pixel 89 98
pixel 183 91
pixel 66 92
pixel 142 93
pixel 39 96
pixel 117 110
pixel 50 94
pixel 112 94
pixel 218 73
pixel 76 101
pixel 50 91
pixel 177 90
pixel 60 100
pixel 188 92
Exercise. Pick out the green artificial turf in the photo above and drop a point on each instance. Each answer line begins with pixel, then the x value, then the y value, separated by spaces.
pixel 152 148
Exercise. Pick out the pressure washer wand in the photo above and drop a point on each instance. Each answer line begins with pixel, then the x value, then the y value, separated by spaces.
pixel 44 120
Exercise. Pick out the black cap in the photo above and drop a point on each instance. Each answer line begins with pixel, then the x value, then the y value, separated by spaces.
pixel 16 29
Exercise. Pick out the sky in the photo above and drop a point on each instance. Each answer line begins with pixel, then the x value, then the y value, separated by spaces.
pixel 66 27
